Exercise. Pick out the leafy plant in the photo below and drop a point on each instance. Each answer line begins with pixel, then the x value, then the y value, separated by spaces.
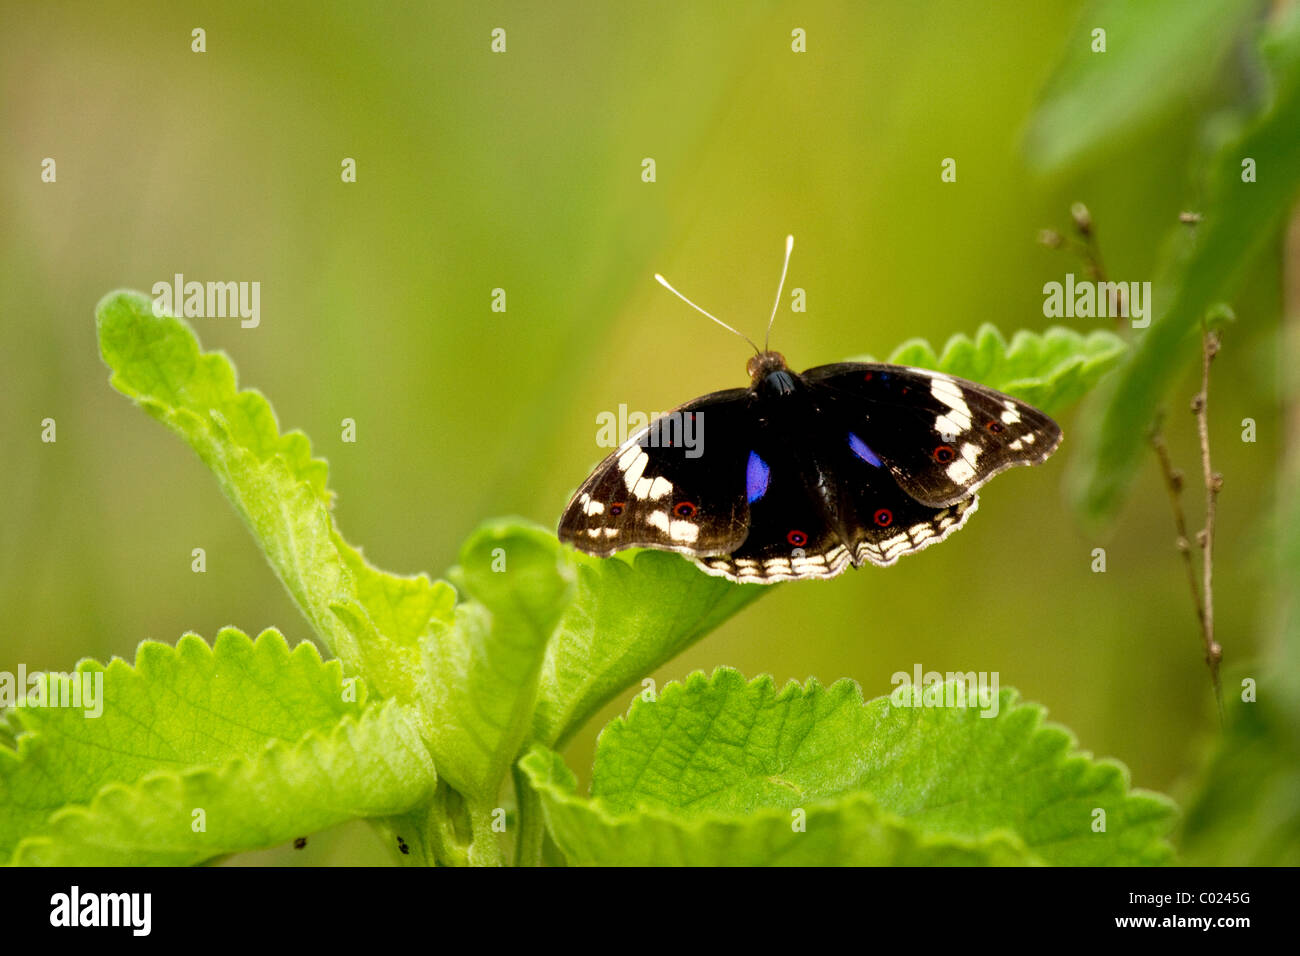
pixel 442 693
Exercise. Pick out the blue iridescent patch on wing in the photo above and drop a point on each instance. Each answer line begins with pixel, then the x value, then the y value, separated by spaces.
pixel 862 451
pixel 756 475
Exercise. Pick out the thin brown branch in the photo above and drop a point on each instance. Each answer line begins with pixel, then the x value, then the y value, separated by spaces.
pixel 1085 245
pixel 1213 484
pixel 1174 485
pixel 1087 248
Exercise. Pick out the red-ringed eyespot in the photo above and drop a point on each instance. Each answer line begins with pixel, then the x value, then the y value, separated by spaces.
pixel 996 427
pixel 684 509
pixel 797 538
pixel 616 508
pixel 866 376
pixel 944 454
pixel 884 517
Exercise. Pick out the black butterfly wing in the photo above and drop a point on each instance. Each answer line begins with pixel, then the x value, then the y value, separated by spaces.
pixel 939 436
pixel 657 491
pixel 820 501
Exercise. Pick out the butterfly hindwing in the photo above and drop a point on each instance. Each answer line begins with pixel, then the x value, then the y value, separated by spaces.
pixel 820 500
pixel 881 521
pixel 790 533
pixel 659 491
pixel 940 437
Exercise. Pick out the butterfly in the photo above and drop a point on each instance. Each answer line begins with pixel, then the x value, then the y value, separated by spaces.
pixel 802 474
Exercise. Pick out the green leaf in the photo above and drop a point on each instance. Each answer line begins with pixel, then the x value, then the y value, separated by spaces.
pixel 1239 218
pixel 632 613
pixel 372 620
pixel 487 657
pixel 1050 370
pixel 270 743
pixel 851 831
pixel 690 773
pixel 1094 99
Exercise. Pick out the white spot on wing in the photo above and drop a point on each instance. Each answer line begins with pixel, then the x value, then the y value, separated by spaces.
pixel 660 487
pixel 684 531
pixel 957 419
pixel 960 471
pixel 634 467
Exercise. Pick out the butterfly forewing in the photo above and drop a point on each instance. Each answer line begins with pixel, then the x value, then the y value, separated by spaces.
pixel 940 437
pixel 658 490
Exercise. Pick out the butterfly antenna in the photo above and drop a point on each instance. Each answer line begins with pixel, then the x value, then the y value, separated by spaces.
pixel 789 247
pixel 664 282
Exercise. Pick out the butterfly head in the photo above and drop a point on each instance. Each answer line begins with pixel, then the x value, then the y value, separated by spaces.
pixel 763 364
pixel 769 373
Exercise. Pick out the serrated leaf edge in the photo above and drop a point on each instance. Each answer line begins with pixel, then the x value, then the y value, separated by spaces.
pixel 1066 746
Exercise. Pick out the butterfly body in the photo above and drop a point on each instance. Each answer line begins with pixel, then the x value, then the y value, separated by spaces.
pixel 801 475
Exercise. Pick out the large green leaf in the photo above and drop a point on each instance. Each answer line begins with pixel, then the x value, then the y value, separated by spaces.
pixel 372 620
pixel 850 831
pixel 267 742
pixel 717 764
pixel 632 613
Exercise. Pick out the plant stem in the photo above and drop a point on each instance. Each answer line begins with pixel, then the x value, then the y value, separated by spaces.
pixel 1088 249
pixel 484 847
pixel 1213 484
pixel 1174 483
pixel 440 831
pixel 532 827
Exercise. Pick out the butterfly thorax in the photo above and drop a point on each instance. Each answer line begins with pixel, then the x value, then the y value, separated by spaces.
pixel 770 375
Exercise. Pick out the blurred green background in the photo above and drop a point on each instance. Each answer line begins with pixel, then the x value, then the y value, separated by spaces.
pixel 522 171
